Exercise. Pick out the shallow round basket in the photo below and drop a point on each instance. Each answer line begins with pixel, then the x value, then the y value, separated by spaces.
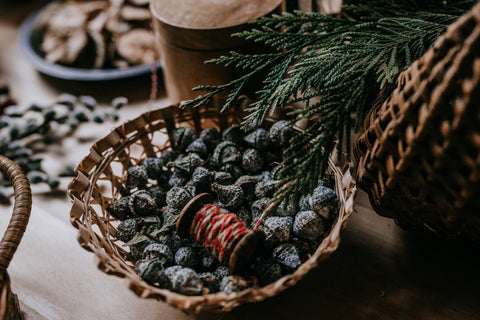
pixel 419 157
pixel 99 178
pixel 9 308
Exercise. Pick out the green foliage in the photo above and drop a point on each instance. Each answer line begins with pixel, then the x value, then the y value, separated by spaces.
pixel 336 67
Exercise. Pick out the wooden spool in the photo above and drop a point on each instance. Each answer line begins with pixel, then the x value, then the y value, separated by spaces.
pixel 190 32
pixel 246 249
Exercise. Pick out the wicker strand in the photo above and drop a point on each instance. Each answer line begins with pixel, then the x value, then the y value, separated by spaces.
pixel 9 308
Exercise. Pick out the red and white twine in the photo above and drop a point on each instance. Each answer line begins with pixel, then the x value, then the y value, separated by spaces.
pixel 217 230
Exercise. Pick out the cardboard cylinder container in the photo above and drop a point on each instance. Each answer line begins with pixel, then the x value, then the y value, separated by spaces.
pixel 190 32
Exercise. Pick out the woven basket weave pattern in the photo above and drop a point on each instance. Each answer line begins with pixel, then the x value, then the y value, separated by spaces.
pixel 9 308
pixel 419 157
pixel 99 179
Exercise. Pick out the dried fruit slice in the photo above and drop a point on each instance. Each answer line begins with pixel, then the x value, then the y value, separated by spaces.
pixel 137 47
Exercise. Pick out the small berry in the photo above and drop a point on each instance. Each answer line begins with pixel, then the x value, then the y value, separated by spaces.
pixel 126 230
pixel 187 164
pixel 258 207
pixel 247 183
pixel 221 272
pixel 209 262
pixel 245 215
pixel 178 179
pixel 322 197
pixel 136 250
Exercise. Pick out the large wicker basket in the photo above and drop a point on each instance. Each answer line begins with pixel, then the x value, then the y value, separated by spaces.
pixel 98 180
pixel 9 308
pixel 419 157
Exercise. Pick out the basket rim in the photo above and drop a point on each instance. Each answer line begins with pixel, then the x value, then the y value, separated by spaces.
pixel 345 188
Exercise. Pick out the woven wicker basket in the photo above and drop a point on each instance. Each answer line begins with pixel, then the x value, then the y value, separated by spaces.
pixel 419 157
pixel 98 180
pixel 9 308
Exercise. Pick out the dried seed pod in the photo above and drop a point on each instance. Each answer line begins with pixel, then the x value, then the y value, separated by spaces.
pixel 209 262
pixel 233 283
pixel 159 252
pixel 233 134
pixel 177 198
pixel 154 167
pixel 153 272
pixel 178 179
pixel 258 207
pixel 181 138
pixel 187 257
pixel 252 161
pixel 137 177
pixel 136 250
pixel 186 164
pixel 120 208
pixel 223 178
pixel 230 196
pixel 266 188
pixel 288 256
pixel 267 271
pixel 199 147
pixel 126 230
pixel 209 282
pixel 187 282
pixel 226 152
pixel 141 203
pixel 259 139
pixel 308 225
pixel 277 230
pixel 173 241
pixel 202 179
pixel 158 194
pixel 281 132
pixel 211 137
pixel 234 170
pixel 322 196
pixel 247 183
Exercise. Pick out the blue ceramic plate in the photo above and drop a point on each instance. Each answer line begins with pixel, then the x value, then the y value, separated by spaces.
pixel 30 41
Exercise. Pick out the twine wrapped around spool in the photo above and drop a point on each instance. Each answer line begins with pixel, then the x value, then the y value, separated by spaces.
pixel 232 244
pixel 99 178
pixel 9 308
pixel 419 157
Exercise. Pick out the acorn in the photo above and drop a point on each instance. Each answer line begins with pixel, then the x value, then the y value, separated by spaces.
pixel 230 196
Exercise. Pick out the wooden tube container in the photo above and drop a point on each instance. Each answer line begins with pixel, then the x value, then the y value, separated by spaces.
pixel 190 32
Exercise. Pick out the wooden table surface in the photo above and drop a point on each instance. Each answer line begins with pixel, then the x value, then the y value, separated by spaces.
pixel 378 272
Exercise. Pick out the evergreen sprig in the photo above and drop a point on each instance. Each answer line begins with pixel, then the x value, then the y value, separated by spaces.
pixel 336 67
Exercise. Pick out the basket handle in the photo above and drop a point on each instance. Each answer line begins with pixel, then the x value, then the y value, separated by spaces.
pixel 21 212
